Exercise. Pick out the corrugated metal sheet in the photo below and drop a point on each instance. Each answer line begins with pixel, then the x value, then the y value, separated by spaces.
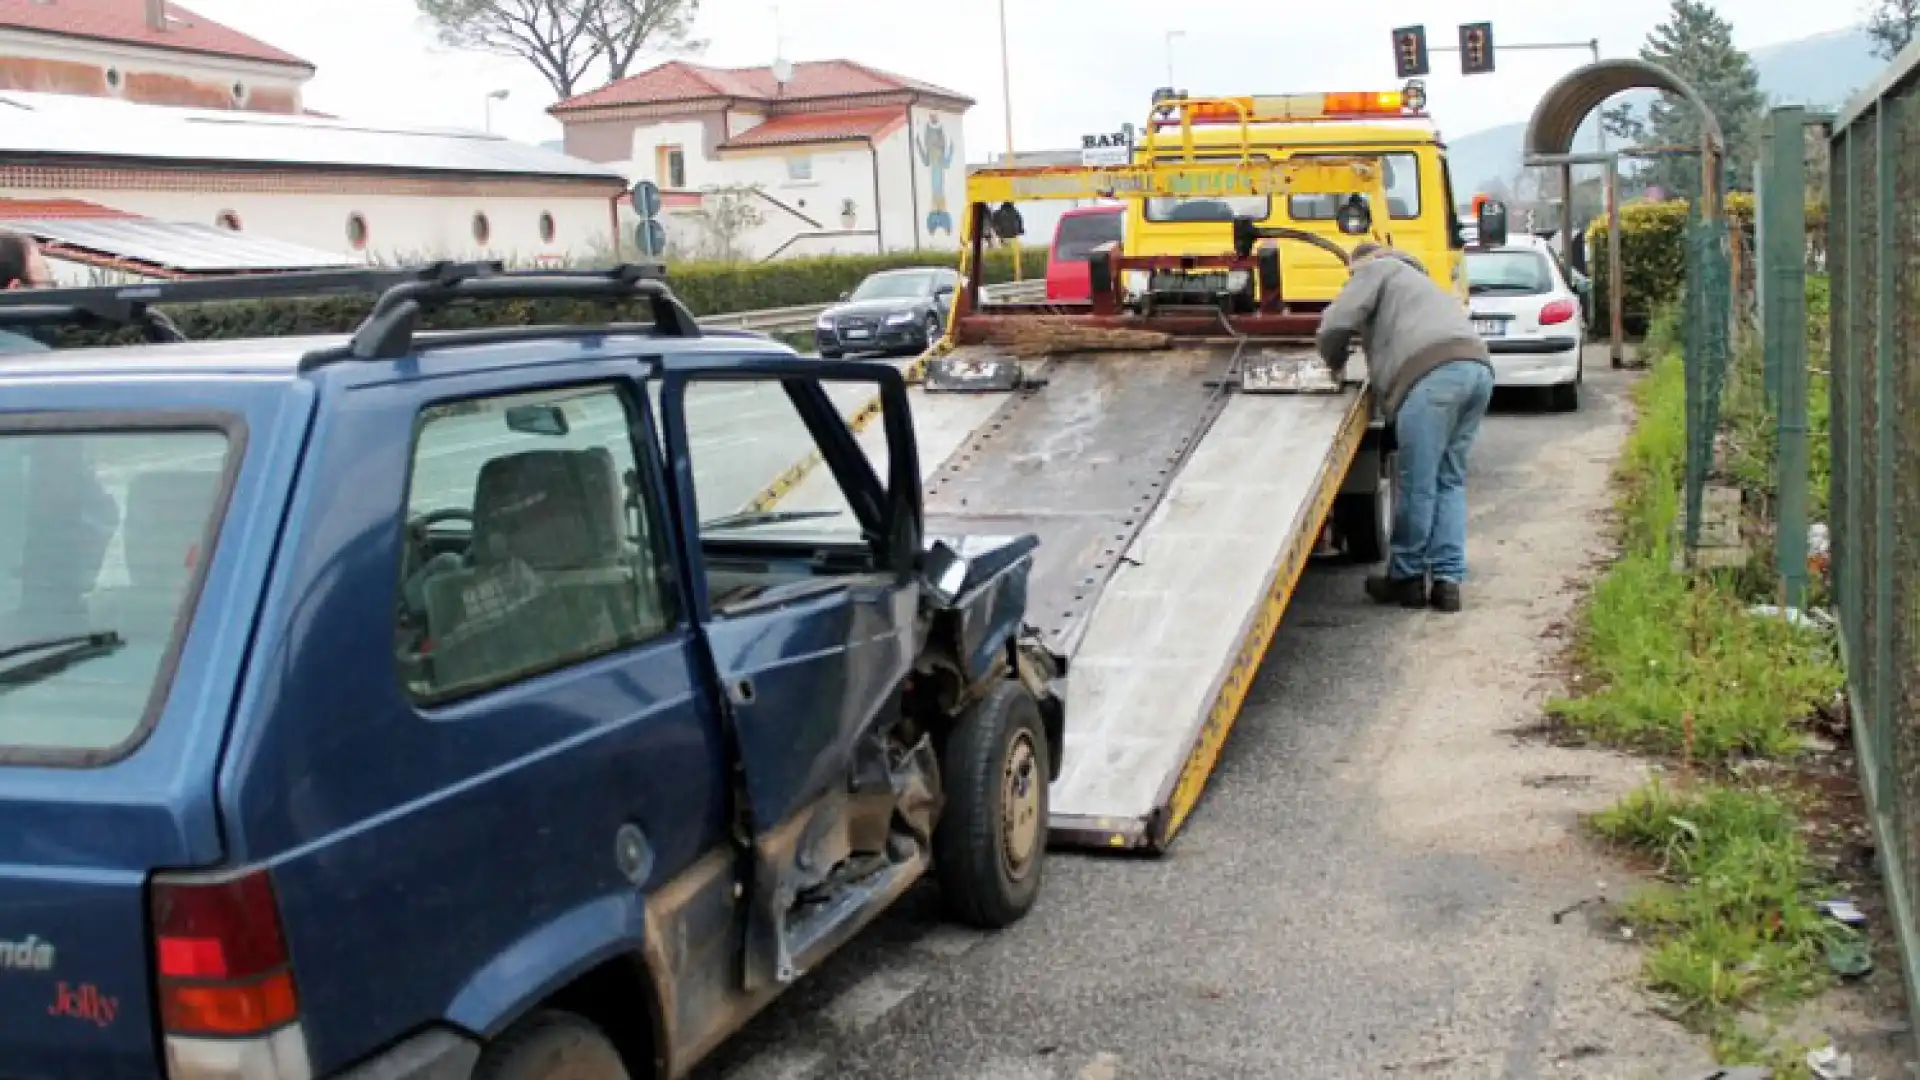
pixel 182 246
pixel 35 125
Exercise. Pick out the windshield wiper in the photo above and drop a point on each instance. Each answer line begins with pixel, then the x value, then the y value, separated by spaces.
pixel 61 653
pixel 766 517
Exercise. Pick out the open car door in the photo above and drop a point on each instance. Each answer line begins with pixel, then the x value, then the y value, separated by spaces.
pixel 811 615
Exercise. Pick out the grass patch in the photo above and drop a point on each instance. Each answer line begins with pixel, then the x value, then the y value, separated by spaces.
pixel 1675 664
pixel 1732 927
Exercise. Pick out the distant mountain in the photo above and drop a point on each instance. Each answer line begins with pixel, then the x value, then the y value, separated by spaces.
pixel 1822 71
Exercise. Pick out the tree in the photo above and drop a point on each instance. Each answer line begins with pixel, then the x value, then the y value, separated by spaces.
pixel 623 29
pixel 1696 44
pixel 565 40
pixel 549 34
pixel 726 215
pixel 1892 25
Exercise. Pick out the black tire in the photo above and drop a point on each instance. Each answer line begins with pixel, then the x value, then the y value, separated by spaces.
pixel 1564 398
pixel 990 845
pixel 551 1046
pixel 1365 520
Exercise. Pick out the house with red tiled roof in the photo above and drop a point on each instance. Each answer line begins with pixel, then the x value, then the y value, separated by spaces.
pixel 153 52
pixel 832 156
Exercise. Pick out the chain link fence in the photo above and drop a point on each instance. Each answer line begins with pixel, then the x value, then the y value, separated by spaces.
pixel 1707 313
pixel 1873 258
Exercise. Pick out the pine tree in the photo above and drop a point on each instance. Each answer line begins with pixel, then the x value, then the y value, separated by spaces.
pixel 1696 44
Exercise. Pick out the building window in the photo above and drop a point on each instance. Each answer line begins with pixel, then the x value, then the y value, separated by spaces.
pixel 670 168
pixel 547 229
pixel 113 78
pixel 482 229
pixel 800 168
pixel 239 92
pixel 228 220
pixel 357 231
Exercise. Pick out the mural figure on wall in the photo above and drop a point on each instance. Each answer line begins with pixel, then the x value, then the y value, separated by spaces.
pixel 936 153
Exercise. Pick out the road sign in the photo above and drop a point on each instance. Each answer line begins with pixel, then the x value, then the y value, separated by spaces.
pixel 651 236
pixel 1476 48
pixel 1410 51
pixel 645 199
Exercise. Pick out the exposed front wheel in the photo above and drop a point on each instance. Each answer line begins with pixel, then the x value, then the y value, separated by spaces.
pixel 991 841
pixel 1365 519
pixel 552 1046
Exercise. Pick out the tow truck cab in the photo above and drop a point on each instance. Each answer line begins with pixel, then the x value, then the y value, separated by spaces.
pixel 1391 126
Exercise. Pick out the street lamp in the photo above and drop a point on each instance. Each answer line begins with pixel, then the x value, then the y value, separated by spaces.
pixel 497 95
pixel 1172 34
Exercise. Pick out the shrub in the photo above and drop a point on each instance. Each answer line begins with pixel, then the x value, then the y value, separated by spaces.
pixel 1653 251
pixel 706 289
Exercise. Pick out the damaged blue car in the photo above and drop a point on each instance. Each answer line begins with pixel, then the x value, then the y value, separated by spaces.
pixel 509 703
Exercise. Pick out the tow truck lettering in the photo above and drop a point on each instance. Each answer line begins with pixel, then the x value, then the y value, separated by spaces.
pixel 27 954
pixel 84 1002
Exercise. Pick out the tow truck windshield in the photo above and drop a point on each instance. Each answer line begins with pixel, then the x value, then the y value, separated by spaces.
pixel 96 568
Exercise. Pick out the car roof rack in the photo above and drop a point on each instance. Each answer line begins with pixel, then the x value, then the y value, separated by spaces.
pixel 133 305
pixel 388 332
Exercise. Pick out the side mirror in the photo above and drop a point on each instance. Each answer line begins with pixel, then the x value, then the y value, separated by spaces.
pixel 1354 218
pixel 945 572
pixel 1491 224
pixel 846 296
pixel 549 420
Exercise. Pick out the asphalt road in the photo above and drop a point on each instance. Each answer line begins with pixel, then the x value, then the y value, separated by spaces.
pixel 1368 888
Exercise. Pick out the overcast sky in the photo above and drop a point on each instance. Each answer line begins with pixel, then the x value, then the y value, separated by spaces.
pixel 1077 65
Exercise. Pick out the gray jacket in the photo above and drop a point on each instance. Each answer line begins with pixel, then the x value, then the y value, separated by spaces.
pixel 1408 325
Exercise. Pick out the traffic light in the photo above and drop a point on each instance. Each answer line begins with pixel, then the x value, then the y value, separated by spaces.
pixel 1410 51
pixel 1476 48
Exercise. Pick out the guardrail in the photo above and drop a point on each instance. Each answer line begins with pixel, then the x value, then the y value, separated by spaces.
pixel 802 316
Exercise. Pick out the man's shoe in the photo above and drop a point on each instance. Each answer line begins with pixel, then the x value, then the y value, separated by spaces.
pixel 1446 596
pixel 1410 592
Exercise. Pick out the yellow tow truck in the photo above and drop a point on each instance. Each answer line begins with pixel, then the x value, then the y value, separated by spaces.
pixel 1155 440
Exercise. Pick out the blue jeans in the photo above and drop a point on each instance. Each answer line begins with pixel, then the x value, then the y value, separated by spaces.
pixel 1435 428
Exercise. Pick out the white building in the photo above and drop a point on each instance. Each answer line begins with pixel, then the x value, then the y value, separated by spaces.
pixel 813 158
pixel 140 117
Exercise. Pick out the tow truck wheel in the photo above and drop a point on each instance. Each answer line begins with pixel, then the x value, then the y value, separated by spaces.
pixel 1365 519
pixel 991 842
pixel 552 1046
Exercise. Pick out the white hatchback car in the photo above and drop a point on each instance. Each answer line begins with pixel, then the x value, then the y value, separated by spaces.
pixel 1531 316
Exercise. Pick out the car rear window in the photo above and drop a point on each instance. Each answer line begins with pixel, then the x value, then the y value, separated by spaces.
pixel 1080 234
pixel 1401 180
pixel 1508 271
pixel 97 568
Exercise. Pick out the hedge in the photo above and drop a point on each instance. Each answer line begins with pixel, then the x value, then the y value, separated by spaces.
pixel 706 289
pixel 1653 251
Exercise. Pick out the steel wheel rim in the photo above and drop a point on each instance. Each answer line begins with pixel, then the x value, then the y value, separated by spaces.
pixel 1020 824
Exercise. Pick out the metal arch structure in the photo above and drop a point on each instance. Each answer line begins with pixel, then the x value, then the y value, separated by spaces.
pixel 1555 121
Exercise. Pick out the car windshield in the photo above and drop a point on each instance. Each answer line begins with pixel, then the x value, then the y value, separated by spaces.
pixel 894 287
pixel 1508 272
pixel 1080 234
pixel 98 553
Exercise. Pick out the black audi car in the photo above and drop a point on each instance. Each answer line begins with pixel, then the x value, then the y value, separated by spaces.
pixel 891 311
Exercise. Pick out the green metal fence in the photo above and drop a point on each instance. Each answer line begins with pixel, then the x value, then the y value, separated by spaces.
pixel 1874 261
pixel 1707 314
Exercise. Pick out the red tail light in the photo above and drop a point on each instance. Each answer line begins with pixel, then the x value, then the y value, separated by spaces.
pixel 221 957
pixel 1558 312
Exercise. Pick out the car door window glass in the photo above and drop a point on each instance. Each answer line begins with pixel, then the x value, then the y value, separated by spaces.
pixel 532 541
pixel 758 480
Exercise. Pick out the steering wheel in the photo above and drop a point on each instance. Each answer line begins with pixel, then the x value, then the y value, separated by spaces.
pixel 418 549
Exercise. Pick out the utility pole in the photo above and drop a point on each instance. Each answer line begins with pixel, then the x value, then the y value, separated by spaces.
pixel 1171 35
pixel 1006 94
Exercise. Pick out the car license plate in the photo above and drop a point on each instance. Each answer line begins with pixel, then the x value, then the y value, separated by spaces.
pixel 1491 327
pixel 858 335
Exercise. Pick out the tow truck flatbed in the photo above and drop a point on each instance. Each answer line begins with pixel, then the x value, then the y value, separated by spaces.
pixel 1175 508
